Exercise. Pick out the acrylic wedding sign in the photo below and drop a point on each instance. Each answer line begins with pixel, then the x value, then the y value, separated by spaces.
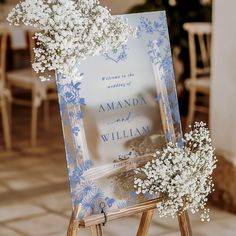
pixel 120 112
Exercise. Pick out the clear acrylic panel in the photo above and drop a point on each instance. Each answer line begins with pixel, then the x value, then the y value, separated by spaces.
pixel 123 110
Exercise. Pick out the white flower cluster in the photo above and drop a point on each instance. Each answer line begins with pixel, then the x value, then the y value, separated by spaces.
pixel 70 30
pixel 182 176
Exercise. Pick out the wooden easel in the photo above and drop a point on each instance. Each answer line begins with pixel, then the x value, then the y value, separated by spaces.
pixel 147 209
pixel 96 222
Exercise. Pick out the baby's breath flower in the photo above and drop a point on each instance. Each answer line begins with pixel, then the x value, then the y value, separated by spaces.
pixel 69 31
pixel 182 175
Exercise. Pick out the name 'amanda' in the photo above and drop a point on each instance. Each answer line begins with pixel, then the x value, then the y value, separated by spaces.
pixel 123 104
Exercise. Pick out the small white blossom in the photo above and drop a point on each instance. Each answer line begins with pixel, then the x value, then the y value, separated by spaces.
pixel 69 31
pixel 183 176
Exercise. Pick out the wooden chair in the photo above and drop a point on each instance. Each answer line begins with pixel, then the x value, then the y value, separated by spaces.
pixel 199 52
pixel 4 93
pixel 41 92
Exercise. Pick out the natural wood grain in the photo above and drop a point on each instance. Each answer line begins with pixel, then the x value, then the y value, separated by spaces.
pixel 34 118
pixel 74 223
pixel 184 224
pixel 5 123
pixel 3 97
pixel 99 219
pixel 94 222
pixel 145 223
pixel 96 230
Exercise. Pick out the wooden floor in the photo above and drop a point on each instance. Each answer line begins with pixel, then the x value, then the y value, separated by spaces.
pixel 34 192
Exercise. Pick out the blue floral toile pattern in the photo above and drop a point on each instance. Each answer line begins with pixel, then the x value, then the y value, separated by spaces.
pixel 147 26
pixel 117 55
pixel 160 54
pixel 84 192
pixel 152 29
pixel 163 64
pixel 69 92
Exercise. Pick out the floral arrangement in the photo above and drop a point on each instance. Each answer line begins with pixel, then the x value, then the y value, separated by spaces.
pixel 181 175
pixel 69 31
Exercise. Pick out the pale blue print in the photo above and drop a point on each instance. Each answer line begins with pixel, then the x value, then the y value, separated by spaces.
pixel 85 192
pixel 117 55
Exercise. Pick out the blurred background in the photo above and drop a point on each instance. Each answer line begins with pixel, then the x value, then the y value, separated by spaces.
pixel 34 191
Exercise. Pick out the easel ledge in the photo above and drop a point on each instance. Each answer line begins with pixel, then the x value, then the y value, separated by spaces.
pixel 147 209
pixel 99 219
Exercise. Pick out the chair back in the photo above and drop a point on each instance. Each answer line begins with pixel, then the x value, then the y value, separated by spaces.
pixel 199 34
pixel 3 55
pixel 31 42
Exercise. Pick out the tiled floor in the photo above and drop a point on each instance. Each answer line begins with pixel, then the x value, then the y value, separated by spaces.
pixel 34 193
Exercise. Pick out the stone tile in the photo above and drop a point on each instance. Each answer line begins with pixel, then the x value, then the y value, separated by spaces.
pixel 20 144
pixel 36 150
pixel 209 229
pixel 29 163
pixel 130 226
pixel 25 182
pixel 167 223
pixel 196 220
pixel 7 154
pixel 57 234
pixel 58 202
pixel 17 211
pixel 45 169
pixel 176 233
pixel 42 225
pixel 158 230
pixel 3 189
pixel 229 223
pixel 67 212
pixel 8 173
pixel 82 232
pixel 218 214
pixel 4 231
pixel 55 178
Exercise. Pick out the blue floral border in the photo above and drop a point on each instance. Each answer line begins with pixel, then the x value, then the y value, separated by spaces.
pixel 84 192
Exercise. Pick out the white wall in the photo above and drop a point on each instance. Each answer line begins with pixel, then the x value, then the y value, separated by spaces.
pixel 223 93
pixel 120 6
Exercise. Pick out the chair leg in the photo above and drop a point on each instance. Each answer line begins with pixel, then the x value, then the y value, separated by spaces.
pixel 9 106
pixel 6 124
pixel 191 109
pixel 34 118
pixel 46 114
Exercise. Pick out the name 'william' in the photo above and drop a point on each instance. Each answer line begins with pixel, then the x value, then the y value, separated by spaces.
pixel 125 134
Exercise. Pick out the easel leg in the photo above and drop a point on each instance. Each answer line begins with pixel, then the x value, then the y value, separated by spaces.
pixel 184 224
pixel 145 223
pixel 73 228
pixel 96 230
pixel 74 224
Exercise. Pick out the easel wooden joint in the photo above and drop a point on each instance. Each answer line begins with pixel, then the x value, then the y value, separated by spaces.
pixel 147 209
